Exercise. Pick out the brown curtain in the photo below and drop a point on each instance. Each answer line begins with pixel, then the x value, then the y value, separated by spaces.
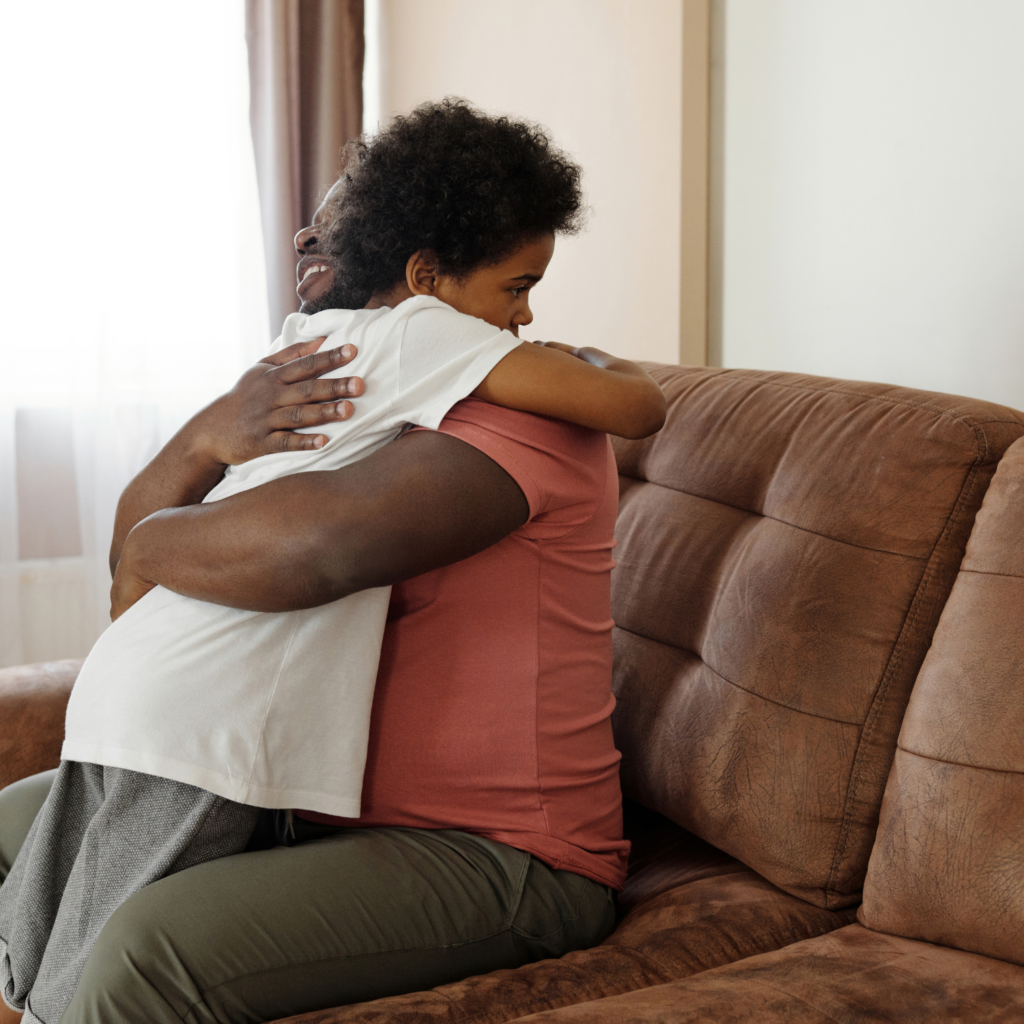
pixel 306 102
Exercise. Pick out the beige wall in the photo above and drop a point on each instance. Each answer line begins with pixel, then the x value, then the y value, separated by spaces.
pixel 604 76
pixel 869 220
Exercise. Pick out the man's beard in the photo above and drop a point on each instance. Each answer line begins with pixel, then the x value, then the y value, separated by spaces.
pixel 341 295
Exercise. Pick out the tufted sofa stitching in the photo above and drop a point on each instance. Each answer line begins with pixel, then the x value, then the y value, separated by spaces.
pixel 946 862
pixel 754 513
pixel 960 764
pixel 878 704
pixel 643 461
pixel 752 693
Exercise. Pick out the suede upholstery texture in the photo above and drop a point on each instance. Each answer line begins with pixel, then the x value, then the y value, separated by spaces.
pixel 850 976
pixel 32 703
pixel 957 784
pixel 787 545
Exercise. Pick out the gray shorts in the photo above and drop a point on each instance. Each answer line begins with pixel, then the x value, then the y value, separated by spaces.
pixel 101 836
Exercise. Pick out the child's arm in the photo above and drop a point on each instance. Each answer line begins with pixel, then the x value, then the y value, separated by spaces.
pixel 582 385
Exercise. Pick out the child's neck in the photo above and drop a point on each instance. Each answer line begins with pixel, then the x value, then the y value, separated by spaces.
pixel 397 293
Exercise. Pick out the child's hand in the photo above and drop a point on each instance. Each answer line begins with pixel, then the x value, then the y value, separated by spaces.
pixel 561 348
pixel 594 356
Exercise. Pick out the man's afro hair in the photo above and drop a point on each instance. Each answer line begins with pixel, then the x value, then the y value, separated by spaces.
pixel 470 186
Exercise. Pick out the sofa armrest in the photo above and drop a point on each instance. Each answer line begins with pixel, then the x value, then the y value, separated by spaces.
pixel 32 703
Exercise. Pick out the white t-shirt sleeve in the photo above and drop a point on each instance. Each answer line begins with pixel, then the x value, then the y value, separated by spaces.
pixel 445 355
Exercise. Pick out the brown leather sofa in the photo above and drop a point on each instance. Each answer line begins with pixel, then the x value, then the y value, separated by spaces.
pixel 820 682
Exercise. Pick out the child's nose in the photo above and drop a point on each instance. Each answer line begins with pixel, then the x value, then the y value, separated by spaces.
pixel 524 316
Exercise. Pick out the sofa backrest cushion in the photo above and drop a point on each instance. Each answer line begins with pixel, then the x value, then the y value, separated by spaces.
pixel 786 545
pixel 948 863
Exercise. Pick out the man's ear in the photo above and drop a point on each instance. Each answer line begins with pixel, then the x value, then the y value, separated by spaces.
pixel 421 272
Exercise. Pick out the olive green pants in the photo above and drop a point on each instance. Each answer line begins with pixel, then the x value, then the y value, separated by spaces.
pixel 342 916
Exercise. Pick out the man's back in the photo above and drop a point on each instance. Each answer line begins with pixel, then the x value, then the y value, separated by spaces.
pixel 493 704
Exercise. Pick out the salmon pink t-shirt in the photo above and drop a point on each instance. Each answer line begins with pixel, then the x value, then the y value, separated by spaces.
pixel 492 710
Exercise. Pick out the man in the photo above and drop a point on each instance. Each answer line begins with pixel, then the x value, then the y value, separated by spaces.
pixel 490 833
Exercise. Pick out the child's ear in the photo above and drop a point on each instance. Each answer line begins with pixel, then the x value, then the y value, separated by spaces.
pixel 421 272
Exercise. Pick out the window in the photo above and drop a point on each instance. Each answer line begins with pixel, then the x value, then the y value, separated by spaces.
pixel 132 284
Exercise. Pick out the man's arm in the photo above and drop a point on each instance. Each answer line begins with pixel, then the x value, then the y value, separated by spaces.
pixel 419 503
pixel 256 417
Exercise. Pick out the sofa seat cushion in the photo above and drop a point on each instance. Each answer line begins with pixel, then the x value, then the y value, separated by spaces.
pixel 32 703
pixel 851 975
pixel 716 919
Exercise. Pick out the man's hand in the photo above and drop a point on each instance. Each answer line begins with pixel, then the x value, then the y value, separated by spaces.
pixel 126 589
pixel 259 415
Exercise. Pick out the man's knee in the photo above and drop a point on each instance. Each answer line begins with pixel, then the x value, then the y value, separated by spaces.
pixel 138 970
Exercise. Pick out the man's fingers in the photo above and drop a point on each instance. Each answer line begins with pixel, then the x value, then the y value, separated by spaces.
pixel 291 417
pixel 321 389
pixel 300 348
pixel 315 364
pixel 288 441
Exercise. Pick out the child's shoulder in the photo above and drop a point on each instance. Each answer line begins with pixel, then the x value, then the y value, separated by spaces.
pixel 307 326
pixel 424 317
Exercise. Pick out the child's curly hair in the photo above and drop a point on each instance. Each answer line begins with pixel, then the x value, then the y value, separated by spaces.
pixel 447 177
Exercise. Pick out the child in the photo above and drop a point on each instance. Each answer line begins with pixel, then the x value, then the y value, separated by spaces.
pixel 188 717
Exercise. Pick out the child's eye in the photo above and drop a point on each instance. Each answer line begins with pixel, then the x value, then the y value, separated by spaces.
pixel 518 291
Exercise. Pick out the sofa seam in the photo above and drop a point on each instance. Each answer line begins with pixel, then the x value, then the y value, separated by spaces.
pixel 743 689
pixel 958 764
pixel 988 572
pixel 858 767
pixel 776 519
pixel 982 450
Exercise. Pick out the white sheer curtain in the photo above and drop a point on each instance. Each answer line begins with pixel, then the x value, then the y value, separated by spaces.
pixel 132 286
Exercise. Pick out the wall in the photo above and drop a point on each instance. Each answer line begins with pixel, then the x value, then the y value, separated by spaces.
pixel 604 76
pixel 868 205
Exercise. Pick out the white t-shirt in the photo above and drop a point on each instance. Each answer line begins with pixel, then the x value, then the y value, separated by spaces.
pixel 273 708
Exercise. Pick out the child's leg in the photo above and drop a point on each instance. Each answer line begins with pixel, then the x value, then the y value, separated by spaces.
pixel 102 835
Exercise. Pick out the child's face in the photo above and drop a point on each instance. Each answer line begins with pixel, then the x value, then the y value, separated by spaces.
pixel 498 294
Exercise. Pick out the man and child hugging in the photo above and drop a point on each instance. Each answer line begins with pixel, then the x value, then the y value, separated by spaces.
pixel 193 724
